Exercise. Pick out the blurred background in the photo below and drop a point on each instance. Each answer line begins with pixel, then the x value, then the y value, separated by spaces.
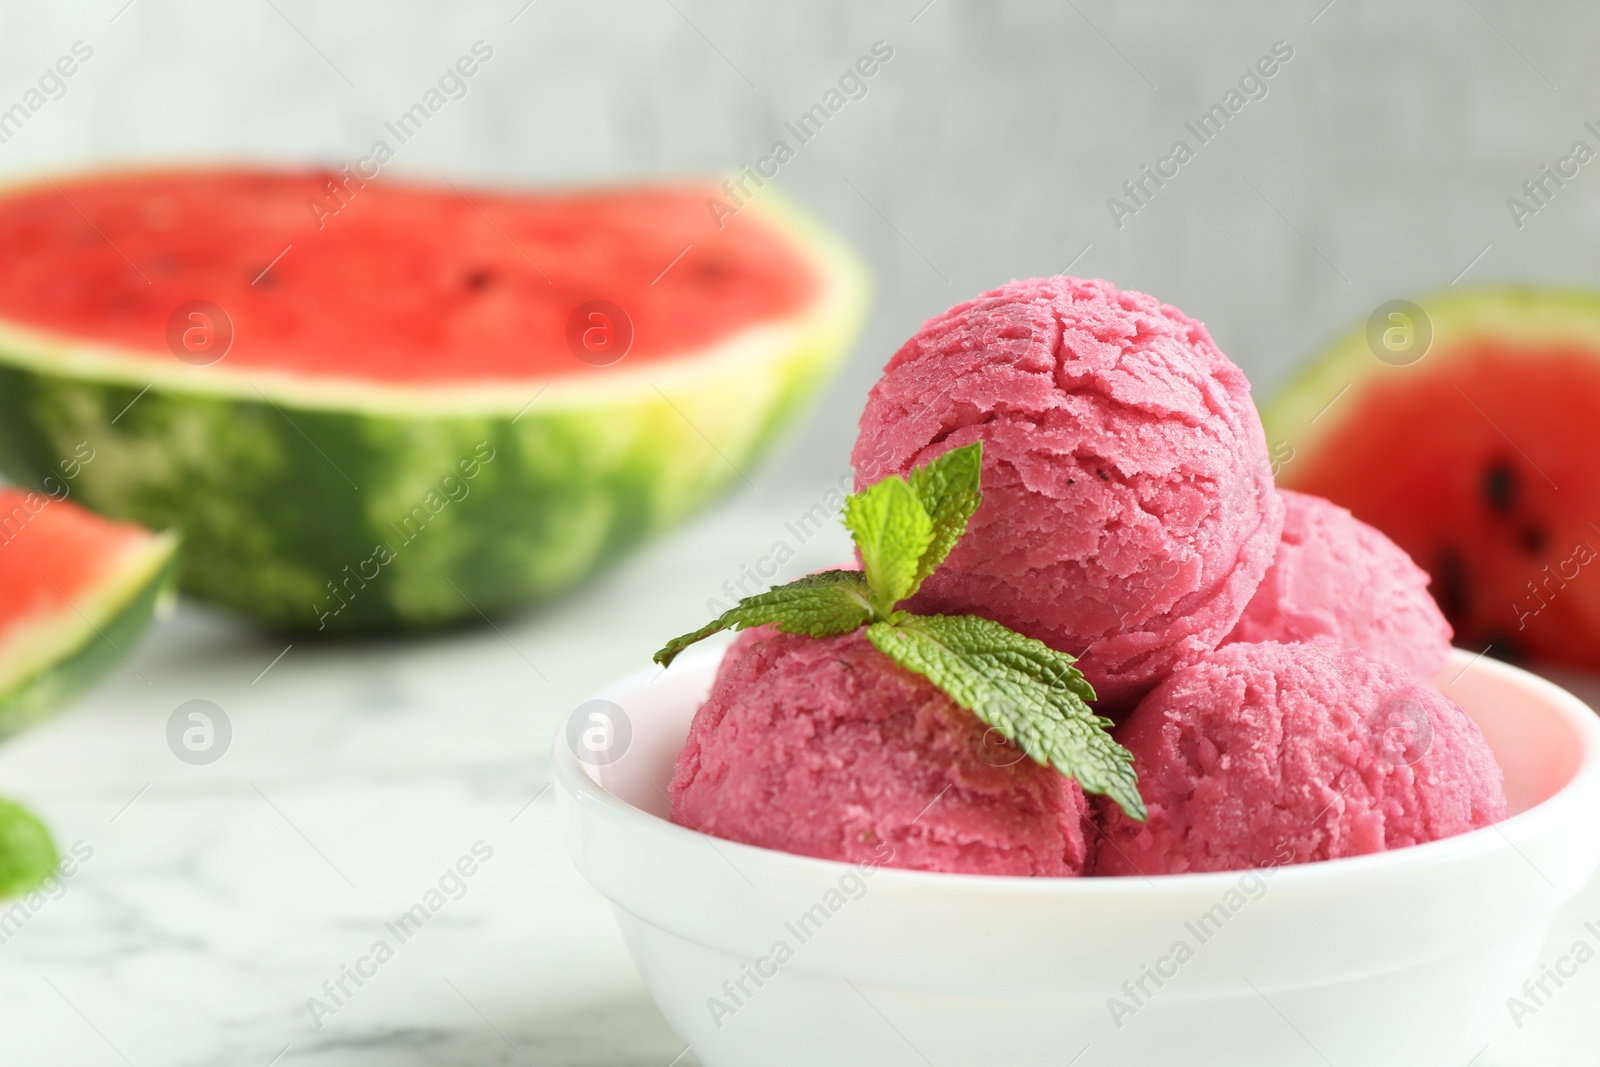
pixel 1378 164
pixel 1375 164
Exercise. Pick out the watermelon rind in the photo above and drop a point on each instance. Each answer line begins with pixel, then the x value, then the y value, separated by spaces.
pixel 1318 400
pixel 342 506
pixel 55 662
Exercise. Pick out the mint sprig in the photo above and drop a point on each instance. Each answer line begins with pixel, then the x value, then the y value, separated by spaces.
pixel 819 605
pixel 903 531
pixel 1029 692
pixel 947 488
pixel 27 854
pixel 1023 688
pixel 892 531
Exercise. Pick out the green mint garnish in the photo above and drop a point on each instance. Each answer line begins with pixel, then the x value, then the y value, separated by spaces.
pixel 1023 688
pixel 818 605
pixel 1027 691
pixel 948 491
pixel 892 531
pixel 27 854
pixel 903 531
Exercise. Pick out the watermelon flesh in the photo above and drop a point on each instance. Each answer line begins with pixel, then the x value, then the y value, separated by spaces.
pixel 405 284
pixel 406 411
pixel 1479 461
pixel 76 591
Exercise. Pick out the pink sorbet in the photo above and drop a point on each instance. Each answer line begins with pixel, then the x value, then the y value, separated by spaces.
pixel 1266 754
pixel 748 637
pixel 1128 510
pixel 1335 576
pixel 824 747
pixel 740 646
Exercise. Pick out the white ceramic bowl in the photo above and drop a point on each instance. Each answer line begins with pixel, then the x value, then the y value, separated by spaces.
pixel 765 959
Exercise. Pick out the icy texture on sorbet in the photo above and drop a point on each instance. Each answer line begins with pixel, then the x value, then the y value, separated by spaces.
pixel 1128 509
pixel 1264 754
pixel 740 646
pixel 826 748
pixel 1335 576
pixel 746 638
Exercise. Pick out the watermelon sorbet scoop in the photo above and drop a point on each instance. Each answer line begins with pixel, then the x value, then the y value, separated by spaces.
pixel 1128 507
pixel 825 747
pixel 1335 576
pixel 1268 654
pixel 1265 754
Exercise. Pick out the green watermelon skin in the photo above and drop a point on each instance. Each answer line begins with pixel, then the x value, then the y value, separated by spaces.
pixel 340 521
pixel 336 508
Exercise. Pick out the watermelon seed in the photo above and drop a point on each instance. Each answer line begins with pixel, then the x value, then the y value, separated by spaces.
pixel 479 280
pixel 1533 539
pixel 1500 487
pixel 1450 581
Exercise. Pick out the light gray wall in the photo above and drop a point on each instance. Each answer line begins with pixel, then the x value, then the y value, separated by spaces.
pixel 1378 165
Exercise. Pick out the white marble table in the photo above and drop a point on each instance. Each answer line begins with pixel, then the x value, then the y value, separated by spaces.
pixel 219 898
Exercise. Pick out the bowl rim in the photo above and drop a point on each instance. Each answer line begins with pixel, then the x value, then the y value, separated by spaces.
pixel 571 778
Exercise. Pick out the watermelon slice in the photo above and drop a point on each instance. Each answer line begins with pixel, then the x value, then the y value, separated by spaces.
pixel 76 593
pixel 379 405
pixel 1478 458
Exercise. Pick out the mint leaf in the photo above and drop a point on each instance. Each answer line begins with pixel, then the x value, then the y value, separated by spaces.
pixel 892 531
pixel 948 490
pixel 818 605
pixel 27 854
pixel 903 530
pixel 1025 689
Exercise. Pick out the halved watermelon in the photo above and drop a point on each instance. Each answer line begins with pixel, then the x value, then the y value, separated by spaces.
pixel 1481 458
pixel 380 405
pixel 76 593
